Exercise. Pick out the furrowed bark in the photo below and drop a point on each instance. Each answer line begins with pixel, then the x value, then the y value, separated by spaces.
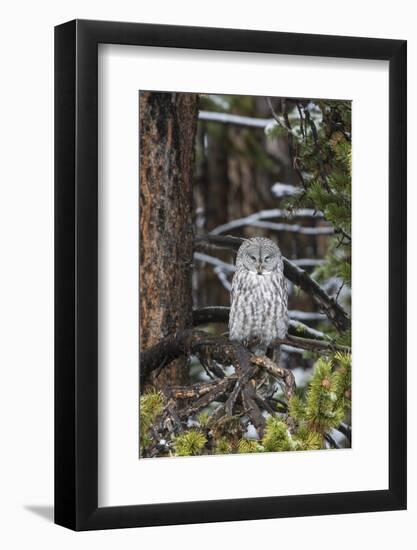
pixel 167 133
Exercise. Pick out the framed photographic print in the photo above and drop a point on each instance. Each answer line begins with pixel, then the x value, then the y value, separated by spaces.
pixel 230 275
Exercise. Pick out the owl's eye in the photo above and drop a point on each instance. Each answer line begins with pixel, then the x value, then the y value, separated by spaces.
pixel 267 258
pixel 253 258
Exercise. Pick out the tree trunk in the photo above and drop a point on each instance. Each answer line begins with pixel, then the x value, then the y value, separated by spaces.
pixel 167 123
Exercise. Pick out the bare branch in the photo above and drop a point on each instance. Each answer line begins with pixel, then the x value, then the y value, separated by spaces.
pixel 267 215
pixel 227 242
pixel 345 430
pixel 330 440
pixel 224 266
pixel 328 305
pixel 285 375
pixel 300 329
pixel 312 316
pixel 216 390
pixel 237 120
pixel 166 350
pixel 222 351
pixel 211 314
pixel 195 390
pixel 249 399
pixel 311 344
pixel 280 227
pixel 220 314
pixel 230 268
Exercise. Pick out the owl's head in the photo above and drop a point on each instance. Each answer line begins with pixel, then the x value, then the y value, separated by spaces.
pixel 259 255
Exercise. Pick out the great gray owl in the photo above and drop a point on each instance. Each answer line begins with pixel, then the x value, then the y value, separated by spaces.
pixel 258 312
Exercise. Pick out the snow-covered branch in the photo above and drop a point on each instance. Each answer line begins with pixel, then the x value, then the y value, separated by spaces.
pixel 206 258
pixel 237 120
pixel 230 268
pixel 258 217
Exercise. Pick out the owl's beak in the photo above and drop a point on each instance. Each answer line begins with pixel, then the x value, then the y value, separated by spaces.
pixel 259 269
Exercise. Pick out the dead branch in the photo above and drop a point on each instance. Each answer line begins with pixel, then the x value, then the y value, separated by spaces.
pixel 258 220
pixel 224 266
pixel 345 430
pixel 220 350
pixel 283 375
pixel 298 328
pixel 223 352
pixel 237 120
pixel 328 305
pixel 311 344
pixel 312 316
pixel 165 351
pixel 196 390
pixel 216 390
pixel 210 314
pixel 220 314
pixel 221 242
pixel 269 214
pixel 249 398
pixel 330 440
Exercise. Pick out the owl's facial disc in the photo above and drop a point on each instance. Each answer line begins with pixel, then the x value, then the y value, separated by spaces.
pixel 259 262
pixel 259 256
pixel 266 264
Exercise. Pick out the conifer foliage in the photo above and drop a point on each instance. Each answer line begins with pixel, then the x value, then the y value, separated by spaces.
pixel 305 425
pixel 319 135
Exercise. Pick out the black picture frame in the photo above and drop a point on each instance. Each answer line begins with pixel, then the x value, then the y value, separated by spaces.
pixel 76 271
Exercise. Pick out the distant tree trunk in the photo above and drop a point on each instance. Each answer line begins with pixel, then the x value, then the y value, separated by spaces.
pixel 211 197
pixel 168 123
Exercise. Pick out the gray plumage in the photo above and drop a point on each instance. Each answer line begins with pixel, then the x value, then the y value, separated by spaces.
pixel 258 313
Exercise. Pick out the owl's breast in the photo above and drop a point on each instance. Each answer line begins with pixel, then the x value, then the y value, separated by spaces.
pixel 259 307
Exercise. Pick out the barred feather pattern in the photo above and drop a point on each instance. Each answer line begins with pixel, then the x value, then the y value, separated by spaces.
pixel 258 313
